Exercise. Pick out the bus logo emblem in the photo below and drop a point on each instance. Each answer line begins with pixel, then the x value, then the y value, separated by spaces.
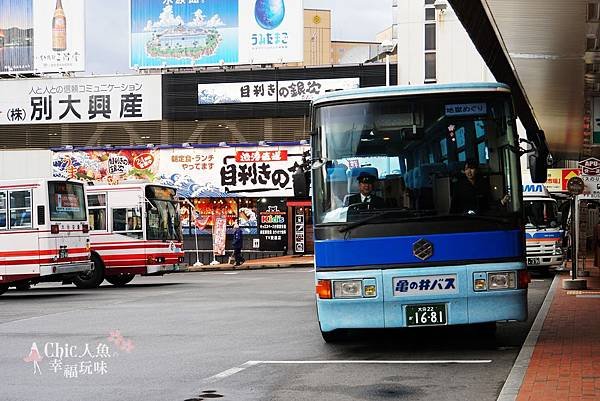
pixel 423 249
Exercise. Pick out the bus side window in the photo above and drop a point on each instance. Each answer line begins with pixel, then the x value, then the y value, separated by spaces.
pixel 20 209
pixel 128 221
pixel 41 215
pixel 2 210
pixel 97 212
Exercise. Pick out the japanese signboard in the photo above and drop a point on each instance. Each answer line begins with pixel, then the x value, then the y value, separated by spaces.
pixel 590 166
pixel 271 91
pixel 110 167
pixel 184 33
pixel 272 224
pixel 42 36
pixel 567 174
pixel 230 171
pixel 299 231
pixel 80 100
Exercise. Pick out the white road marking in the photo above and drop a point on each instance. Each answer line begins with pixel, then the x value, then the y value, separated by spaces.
pixel 231 273
pixel 244 366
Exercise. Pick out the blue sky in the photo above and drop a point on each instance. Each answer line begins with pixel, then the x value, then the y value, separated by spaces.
pixel 107 26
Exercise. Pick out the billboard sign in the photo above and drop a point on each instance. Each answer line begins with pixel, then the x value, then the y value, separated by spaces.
pixel 81 100
pixel 42 36
pixel 272 224
pixel 229 171
pixel 271 91
pixel 185 33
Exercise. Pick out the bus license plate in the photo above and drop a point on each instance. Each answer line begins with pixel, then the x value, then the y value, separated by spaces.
pixel 533 261
pixel 426 315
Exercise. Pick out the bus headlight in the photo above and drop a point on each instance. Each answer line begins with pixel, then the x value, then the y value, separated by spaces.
pixel 347 289
pixel 501 280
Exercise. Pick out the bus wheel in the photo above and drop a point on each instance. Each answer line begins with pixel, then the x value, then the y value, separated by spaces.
pixel 93 278
pixel 3 288
pixel 119 280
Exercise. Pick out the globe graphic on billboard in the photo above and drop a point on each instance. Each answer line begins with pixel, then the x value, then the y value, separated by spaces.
pixel 269 13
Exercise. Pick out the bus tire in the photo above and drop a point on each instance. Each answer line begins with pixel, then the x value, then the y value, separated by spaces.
pixel 93 278
pixel 119 280
pixel 3 288
pixel 23 286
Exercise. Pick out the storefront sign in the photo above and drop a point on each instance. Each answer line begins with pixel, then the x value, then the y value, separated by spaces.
pixel 590 166
pixel 230 171
pixel 567 174
pixel 81 100
pixel 42 36
pixel 271 91
pixel 272 224
pixel 184 33
pixel 102 166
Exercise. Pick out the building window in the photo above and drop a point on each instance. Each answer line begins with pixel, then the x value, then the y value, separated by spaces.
pixel 429 36
pixel 430 14
pixel 590 43
pixel 593 12
pixel 430 67
pixel 429 2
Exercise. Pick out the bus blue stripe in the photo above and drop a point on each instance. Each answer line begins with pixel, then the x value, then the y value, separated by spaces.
pixel 399 250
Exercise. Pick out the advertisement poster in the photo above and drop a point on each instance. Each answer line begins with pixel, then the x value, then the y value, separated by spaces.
pixel 100 166
pixel 42 36
pixel 81 100
pixel 272 91
pixel 272 224
pixel 232 171
pixel 219 234
pixel 59 30
pixel 16 35
pixel 184 33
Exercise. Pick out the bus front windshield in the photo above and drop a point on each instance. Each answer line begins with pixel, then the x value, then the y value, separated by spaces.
pixel 163 214
pixel 541 213
pixel 404 159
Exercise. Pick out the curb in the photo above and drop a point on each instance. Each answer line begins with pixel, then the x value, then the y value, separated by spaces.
pixel 513 382
pixel 209 268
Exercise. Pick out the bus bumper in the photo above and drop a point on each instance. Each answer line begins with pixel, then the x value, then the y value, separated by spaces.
pixel 79 267
pixel 393 301
pixel 170 268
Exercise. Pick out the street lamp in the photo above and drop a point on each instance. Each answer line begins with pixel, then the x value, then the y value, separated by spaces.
pixel 387 47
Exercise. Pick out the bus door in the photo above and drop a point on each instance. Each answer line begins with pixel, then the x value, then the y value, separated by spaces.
pixel 67 216
pixel 3 237
pixel 23 241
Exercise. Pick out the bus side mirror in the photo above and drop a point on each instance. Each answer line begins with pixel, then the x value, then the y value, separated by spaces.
pixel 539 158
pixel 41 215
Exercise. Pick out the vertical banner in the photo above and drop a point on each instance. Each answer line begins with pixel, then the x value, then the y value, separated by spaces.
pixel 299 230
pixel 219 232
pixel 272 224
pixel 59 35
pixel 16 35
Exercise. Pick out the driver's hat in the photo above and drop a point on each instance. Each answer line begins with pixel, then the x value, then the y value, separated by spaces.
pixel 366 178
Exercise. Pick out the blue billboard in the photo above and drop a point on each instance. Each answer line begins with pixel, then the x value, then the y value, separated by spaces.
pixel 184 33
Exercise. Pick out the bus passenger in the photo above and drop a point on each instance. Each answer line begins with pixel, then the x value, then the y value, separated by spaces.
pixel 472 193
pixel 366 184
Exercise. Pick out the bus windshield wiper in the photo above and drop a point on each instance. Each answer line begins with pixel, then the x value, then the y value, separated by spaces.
pixel 414 215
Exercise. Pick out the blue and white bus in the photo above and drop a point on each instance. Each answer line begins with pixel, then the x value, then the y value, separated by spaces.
pixel 413 258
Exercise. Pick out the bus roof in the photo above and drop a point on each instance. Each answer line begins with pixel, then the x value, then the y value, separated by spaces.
pixel 408 90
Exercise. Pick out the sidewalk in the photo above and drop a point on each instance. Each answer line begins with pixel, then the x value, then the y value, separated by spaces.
pixel 267 263
pixel 565 363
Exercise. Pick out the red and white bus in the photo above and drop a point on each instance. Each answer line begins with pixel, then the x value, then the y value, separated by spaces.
pixel 135 229
pixel 44 233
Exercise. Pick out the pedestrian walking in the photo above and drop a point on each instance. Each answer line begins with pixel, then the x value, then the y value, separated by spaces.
pixel 237 243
